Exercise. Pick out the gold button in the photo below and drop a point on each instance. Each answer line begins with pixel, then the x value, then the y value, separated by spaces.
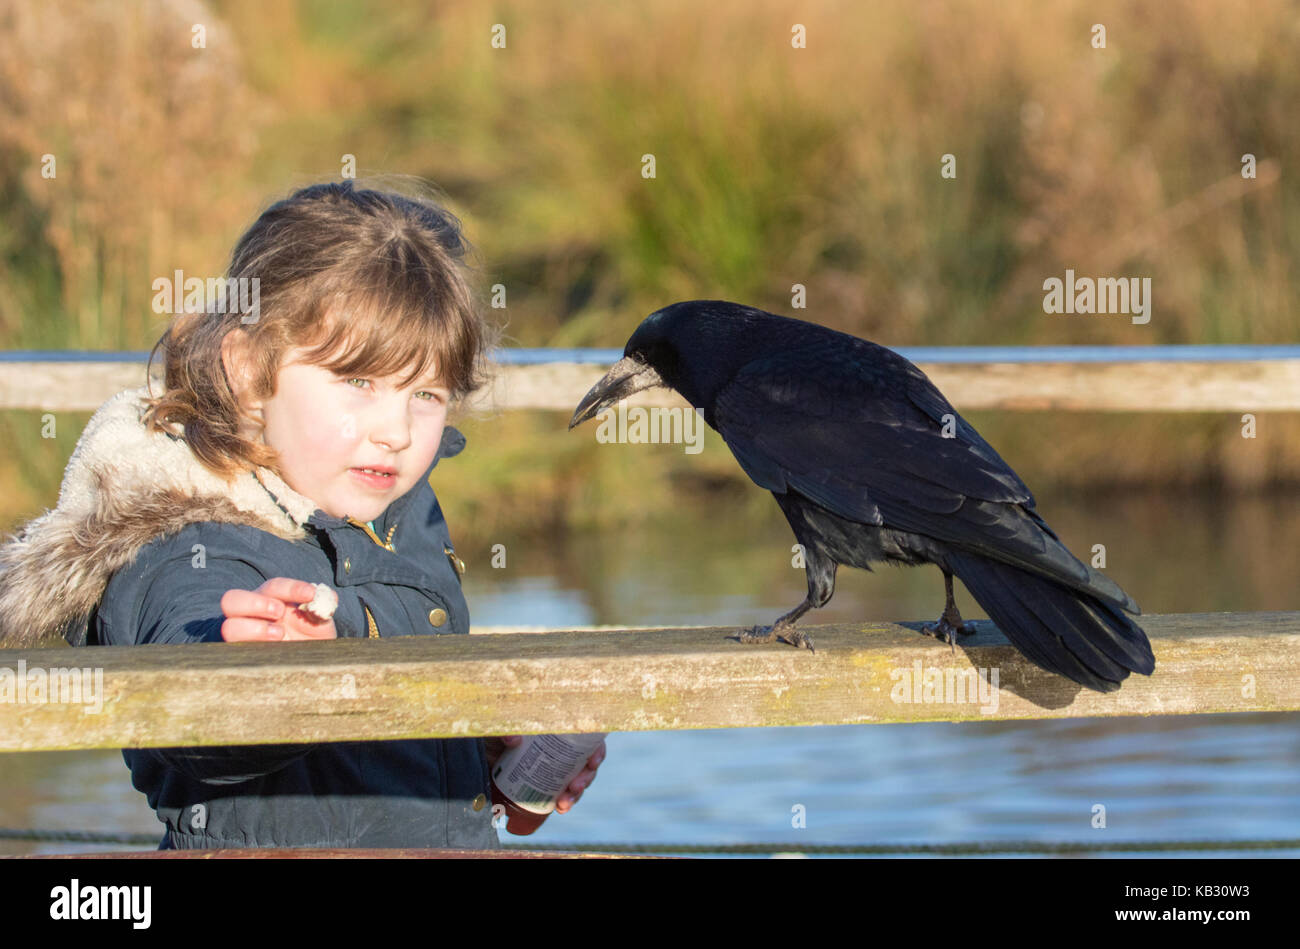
pixel 456 563
pixel 480 802
pixel 437 617
pixel 347 564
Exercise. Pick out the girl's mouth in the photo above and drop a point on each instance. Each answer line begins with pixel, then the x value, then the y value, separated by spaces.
pixel 373 479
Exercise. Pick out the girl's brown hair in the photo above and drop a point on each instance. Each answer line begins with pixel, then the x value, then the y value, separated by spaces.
pixel 370 282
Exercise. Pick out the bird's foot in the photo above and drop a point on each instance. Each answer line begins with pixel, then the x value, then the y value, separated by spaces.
pixel 757 634
pixel 785 633
pixel 947 628
pixel 797 638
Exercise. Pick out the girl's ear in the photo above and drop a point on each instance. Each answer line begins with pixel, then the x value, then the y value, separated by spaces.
pixel 234 359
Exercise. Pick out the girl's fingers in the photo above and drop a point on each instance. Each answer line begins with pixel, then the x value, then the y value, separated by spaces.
pixel 314 629
pixel 243 629
pixel 268 601
pixel 495 746
pixel 246 629
pixel 573 793
pixel 571 796
pixel 288 590
pixel 583 781
pixel 271 614
pixel 246 603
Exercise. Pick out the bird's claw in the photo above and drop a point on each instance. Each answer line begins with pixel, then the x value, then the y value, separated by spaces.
pixel 789 635
pixel 798 638
pixel 946 631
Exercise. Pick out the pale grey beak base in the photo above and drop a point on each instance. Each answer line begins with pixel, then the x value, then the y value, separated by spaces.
pixel 624 378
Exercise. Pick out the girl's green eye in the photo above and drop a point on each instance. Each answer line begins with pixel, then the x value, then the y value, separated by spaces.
pixel 350 381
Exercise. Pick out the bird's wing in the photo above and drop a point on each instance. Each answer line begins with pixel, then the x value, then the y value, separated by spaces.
pixel 852 428
pixel 862 432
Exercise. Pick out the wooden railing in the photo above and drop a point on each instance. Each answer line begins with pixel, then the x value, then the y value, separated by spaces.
pixel 636 679
pixel 614 680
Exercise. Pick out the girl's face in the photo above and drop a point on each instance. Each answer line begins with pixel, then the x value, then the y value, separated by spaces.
pixel 327 427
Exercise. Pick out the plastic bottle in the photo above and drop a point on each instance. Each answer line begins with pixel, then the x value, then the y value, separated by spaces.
pixel 527 779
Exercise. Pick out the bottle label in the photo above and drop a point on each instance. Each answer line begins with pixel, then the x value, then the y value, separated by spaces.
pixel 534 773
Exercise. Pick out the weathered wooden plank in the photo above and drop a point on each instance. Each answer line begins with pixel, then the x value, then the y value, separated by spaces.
pixel 441 686
pixel 1263 386
pixel 1266 385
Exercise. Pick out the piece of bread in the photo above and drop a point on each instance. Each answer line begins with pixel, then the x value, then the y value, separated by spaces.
pixel 323 604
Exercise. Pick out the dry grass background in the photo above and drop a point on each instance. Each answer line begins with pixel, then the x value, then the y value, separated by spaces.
pixel 775 166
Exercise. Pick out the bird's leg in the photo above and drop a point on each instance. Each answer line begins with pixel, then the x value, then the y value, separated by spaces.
pixel 949 624
pixel 820 569
pixel 782 629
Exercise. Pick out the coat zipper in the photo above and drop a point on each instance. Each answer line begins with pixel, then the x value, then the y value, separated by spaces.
pixel 387 545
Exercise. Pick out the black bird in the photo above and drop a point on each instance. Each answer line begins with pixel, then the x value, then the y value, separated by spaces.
pixel 869 462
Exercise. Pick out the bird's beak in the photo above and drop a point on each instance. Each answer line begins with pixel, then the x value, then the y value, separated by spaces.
pixel 624 378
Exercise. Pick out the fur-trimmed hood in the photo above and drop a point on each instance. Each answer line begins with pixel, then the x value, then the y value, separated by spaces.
pixel 123 487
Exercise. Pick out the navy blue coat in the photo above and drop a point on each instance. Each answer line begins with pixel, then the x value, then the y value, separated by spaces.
pixel 400 579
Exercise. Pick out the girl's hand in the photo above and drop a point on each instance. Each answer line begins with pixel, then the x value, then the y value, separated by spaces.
pixel 270 613
pixel 574 791
pixel 495 747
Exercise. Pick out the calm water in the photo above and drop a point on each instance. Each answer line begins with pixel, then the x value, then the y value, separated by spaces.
pixel 1229 776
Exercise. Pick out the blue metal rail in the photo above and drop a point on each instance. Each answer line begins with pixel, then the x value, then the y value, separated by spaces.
pixel 926 354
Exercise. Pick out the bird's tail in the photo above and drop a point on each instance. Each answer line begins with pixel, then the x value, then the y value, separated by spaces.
pixel 1065 631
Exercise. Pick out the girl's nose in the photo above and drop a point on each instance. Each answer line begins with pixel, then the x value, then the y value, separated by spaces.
pixel 391 430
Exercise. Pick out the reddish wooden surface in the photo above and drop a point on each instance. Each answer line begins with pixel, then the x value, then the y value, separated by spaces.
pixel 321 853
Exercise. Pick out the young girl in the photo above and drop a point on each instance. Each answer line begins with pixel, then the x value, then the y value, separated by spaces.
pixel 291 445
